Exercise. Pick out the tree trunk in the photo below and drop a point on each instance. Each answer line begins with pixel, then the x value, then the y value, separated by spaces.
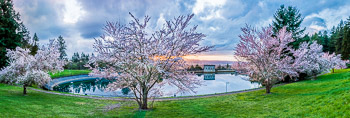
pixel 332 70
pixel 268 88
pixel 144 99
pixel 24 90
pixel 144 103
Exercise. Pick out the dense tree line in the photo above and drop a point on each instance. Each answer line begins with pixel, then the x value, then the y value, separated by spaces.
pixel 224 67
pixel 194 68
pixel 78 61
pixel 336 41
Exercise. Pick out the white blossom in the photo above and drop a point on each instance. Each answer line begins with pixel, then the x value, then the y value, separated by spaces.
pixel 136 57
pixel 26 69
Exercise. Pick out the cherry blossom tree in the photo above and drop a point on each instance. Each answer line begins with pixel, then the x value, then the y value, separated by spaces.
pixel 335 61
pixel 144 60
pixel 240 67
pixel 265 57
pixel 25 69
pixel 310 59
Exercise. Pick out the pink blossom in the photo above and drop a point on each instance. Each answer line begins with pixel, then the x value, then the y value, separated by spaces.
pixel 143 60
pixel 265 57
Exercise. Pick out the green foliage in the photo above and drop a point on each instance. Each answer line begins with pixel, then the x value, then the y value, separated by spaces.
pixel 337 41
pixel 126 90
pixel 345 47
pixel 332 41
pixel 78 62
pixel 12 31
pixel 323 39
pixel 76 57
pixel 226 67
pixel 62 47
pixel 220 67
pixel 66 73
pixel 194 68
pixel 338 36
pixel 289 17
pixel 34 49
pixel 198 67
pixel 296 43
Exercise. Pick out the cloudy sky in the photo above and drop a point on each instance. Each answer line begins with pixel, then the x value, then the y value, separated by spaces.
pixel 79 21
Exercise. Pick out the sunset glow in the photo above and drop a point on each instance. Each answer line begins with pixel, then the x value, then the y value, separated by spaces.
pixel 210 57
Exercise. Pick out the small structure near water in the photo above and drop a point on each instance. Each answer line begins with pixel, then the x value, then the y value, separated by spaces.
pixel 209 68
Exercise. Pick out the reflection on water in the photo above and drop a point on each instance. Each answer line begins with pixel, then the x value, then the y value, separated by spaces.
pixel 212 83
pixel 210 76
pixel 92 87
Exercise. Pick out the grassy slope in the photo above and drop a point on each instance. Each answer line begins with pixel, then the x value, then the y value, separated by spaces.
pixel 65 73
pixel 328 96
pixel 14 104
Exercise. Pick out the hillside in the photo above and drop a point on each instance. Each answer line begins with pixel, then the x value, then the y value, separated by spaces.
pixel 328 96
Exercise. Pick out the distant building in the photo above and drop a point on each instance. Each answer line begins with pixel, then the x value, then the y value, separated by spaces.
pixel 210 76
pixel 209 68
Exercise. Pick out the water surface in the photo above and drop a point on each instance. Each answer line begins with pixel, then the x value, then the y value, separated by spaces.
pixel 212 83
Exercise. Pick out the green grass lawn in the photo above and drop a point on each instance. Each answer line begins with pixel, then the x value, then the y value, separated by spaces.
pixel 66 73
pixel 328 96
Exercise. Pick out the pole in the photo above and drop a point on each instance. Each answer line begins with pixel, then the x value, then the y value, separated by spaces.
pixel 226 86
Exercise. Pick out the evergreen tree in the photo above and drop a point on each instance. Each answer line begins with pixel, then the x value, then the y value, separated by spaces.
pixel 219 67
pixel 325 42
pixel 306 38
pixel 318 37
pixel 75 57
pixel 315 37
pixel 192 68
pixel 289 17
pixel 35 44
pixel 339 37
pixel 84 58
pixel 197 67
pixel 12 31
pixel 332 40
pixel 81 62
pixel 62 47
pixel 345 48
